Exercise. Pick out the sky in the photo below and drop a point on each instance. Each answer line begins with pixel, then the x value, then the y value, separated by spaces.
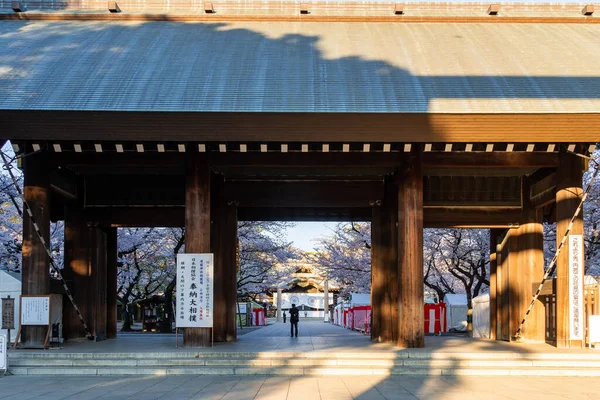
pixel 304 234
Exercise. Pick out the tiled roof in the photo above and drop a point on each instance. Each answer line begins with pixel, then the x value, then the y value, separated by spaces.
pixel 300 66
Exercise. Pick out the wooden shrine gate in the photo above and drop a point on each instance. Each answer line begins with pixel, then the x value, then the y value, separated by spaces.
pixel 200 125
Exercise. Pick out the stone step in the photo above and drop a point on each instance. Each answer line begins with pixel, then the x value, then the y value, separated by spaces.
pixel 301 362
pixel 400 355
pixel 314 371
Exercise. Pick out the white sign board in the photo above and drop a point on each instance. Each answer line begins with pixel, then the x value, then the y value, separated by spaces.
pixel 594 328
pixel 241 308
pixel 35 310
pixel 195 282
pixel 576 315
pixel 3 353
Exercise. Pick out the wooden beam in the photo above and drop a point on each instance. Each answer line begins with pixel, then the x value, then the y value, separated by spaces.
pixel 542 187
pixel 297 127
pixel 471 217
pixel 438 217
pixel 304 194
pixel 410 255
pixel 312 161
pixel 569 191
pixel 197 230
pixel 36 275
pixel 490 160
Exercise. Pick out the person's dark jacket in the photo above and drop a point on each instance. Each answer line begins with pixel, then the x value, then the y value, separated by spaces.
pixel 294 314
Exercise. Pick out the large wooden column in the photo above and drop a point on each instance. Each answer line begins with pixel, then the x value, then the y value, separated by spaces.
pixel 36 274
pixel 223 245
pixel 494 236
pixel 502 292
pixel 197 229
pixel 111 283
pixel 568 196
pixel 528 272
pixel 97 306
pixel 76 271
pixel 384 266
pixel 410 254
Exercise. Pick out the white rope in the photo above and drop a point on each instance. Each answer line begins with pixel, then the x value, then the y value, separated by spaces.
pixel 552 264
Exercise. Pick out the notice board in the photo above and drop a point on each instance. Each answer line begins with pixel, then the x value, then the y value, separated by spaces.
pixel 195 283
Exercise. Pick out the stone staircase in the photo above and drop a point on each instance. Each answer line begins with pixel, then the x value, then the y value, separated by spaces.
pixel 307 363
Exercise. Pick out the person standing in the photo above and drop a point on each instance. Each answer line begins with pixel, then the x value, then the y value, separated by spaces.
pixel 284 317
pixel 294 317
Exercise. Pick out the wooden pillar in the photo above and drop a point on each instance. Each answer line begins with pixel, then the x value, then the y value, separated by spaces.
pixel 76 271
pixel 410 254
pixel 384 266
pixel 197 229
pixel 528 272
pixel 568 196
pixel 223 245
pixel 503 255
pixel 494 236
pixel 36 275
pixel 111 283
pixel 97 307
pixel 326 301
pixel 279 311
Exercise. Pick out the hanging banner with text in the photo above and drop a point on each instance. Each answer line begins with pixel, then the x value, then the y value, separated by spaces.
pixel 576 287
pixel 195 290
pixel 35 310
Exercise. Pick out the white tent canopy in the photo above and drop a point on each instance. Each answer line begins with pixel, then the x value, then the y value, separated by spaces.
pixel 456 311
pixel 360 299
pixel 481 316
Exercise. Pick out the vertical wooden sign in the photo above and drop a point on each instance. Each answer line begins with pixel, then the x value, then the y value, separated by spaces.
pixel 576 316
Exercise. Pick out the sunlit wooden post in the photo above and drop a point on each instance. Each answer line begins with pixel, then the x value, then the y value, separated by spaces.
pixel 568 193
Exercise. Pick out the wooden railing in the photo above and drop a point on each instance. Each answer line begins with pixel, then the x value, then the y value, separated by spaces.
pixel 591 306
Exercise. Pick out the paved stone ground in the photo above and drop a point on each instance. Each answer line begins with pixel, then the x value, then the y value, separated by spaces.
pixel 297 388
pixel 314 335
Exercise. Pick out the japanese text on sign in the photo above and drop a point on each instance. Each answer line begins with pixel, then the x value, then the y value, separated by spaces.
pixel 8 313
pixel 576 286
pixel 35 310
pixel 194 290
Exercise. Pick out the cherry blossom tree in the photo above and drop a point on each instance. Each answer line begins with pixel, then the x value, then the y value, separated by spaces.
pixel 345 257
pixel 456 261
pixel 264 254
pixel 146 265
